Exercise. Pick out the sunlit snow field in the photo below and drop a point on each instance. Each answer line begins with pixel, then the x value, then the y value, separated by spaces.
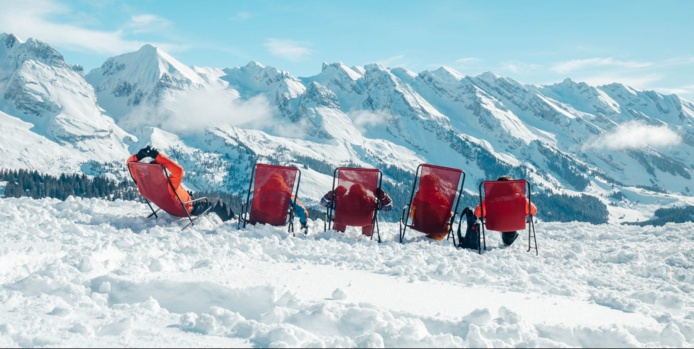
pixel 94 273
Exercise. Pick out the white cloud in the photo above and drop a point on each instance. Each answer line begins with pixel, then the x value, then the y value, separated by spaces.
pixel 286 129
pixel 681 91
pixel 636 135
pixel 636 81
pixel 519 67
pixel 195 111
pixel 467 61
pixel 147 23
pixel 365 120
pixel 37 19
pixel 288 49
pixel 590 63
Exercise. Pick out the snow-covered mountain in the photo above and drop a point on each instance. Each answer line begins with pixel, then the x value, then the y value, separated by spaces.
pixel 49 118
pixel 631 149
pixel 145 77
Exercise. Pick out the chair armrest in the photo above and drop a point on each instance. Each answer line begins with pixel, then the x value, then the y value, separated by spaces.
pixel 451 221
pixel 403 218
pixel 242 219
pixel 244 212
pixel 195 200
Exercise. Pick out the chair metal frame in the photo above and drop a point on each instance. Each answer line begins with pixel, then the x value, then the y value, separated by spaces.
pixel 530 222
pixel 244 216
pixel 330 210
pixel 408 208
pixel 173 189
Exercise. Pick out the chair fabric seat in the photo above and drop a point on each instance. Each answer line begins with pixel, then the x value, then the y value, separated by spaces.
pixel 153 184
pixel 271 202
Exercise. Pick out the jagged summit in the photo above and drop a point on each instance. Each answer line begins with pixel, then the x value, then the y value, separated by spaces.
pixel 340 68
pixel 9 40
pixel 488 77
pixel 57 107
pixel 619 87
pixel 320 96
pixel 444 75
pixel 14 52
pixel 146 66
pixel 448 71
pixel 255 78
pixel 375 66
pixel 577 86
pixel 344 82
pixel 149 74
pixel 254 64
pixel 325 65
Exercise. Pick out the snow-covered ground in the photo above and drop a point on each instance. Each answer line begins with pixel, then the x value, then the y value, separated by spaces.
pixel 88 272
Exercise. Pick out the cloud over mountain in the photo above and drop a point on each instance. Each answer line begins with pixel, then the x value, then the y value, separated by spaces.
pixel 636 135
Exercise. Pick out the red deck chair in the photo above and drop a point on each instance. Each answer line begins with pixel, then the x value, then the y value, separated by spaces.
pixel 354 211
pixel 271 206
pixel 503 206
pixel 153 183
pixel 434 218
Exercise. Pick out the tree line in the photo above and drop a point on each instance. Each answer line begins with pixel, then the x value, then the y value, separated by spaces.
pixel 36 185
pixel 669 215
pixel 551 207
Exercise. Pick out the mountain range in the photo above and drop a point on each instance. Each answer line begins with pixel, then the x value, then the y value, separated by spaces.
pixel 628 150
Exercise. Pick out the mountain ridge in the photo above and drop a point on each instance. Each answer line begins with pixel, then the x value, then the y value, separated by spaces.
pixel 373 116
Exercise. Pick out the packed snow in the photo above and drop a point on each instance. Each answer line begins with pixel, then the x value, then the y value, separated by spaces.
pixel 90 272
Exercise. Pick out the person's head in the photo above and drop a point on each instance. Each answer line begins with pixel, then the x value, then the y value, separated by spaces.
pixel 340 190
pixel 276 182
pixel 357 190
pixel 429 181
pixel 504 189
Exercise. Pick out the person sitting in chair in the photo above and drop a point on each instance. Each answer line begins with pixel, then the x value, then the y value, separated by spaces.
pixel 357 199
pixel 272 192
pixel 217 206
pixel 508 237
pixel 431 206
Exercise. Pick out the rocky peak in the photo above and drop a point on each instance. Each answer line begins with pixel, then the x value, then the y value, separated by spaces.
pixel 318 95
pixel 9 40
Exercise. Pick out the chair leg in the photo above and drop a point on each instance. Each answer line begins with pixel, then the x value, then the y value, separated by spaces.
pixel 531 234
pixel 243 216
pixel 192 220
pixel 450 235
pixel 327 224
pixel 402 232
pixel 484 237
pixel 479 242
pixel 154 213
pixel 403 223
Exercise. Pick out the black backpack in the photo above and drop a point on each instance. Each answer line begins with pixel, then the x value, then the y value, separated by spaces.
pixel 472 233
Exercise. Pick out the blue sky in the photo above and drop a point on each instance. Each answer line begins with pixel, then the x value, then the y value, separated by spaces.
pixel 644 44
